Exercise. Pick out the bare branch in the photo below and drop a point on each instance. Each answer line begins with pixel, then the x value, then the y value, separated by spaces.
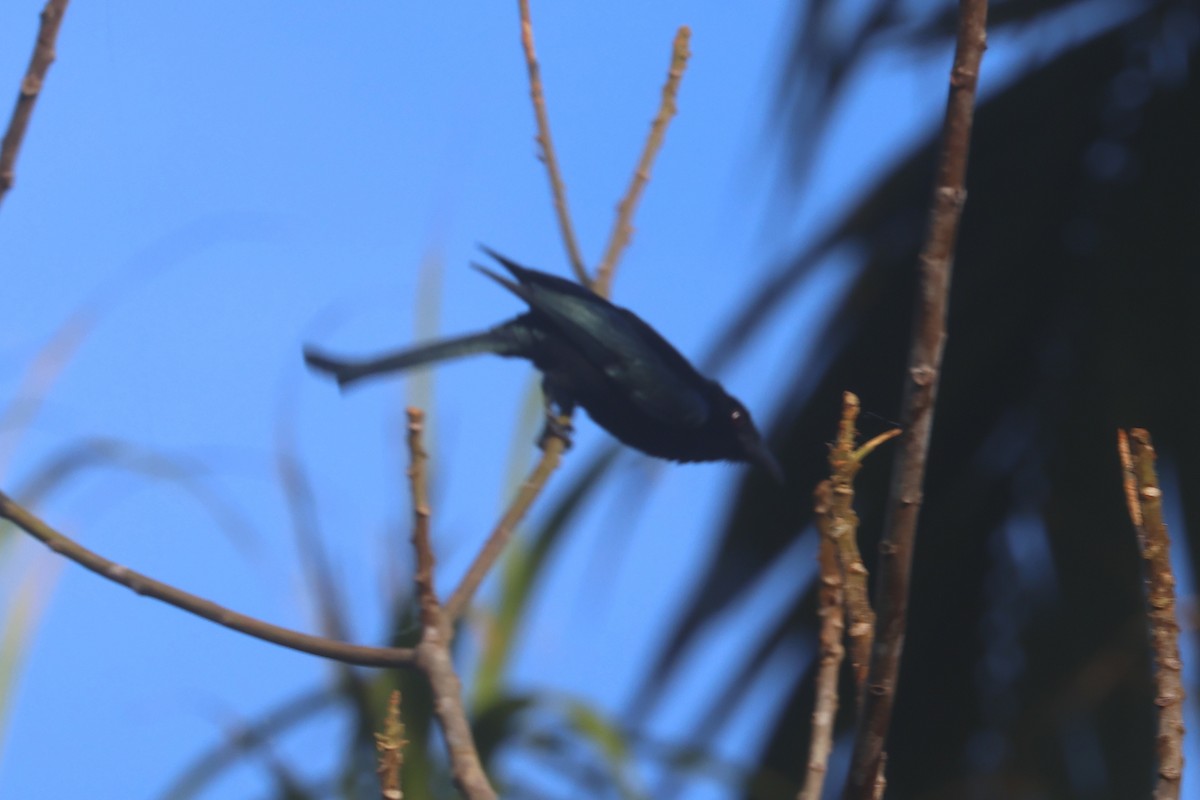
pixel 528 492
pixel 546 145
pixel 623 227
pixel 419 485
pixel 829 604
pixel 31 87
pixel 144 585
pixel 929 335
pixel 1145 509
pixel 390 745
pixel 433 653
pixel 843 533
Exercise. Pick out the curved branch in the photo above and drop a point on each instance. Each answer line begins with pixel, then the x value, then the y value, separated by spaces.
pixel 361 655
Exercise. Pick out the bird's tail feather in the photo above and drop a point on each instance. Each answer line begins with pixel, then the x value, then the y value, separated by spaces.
pixel 499 340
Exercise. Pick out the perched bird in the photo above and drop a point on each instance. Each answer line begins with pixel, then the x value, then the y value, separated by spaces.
pixel 628 378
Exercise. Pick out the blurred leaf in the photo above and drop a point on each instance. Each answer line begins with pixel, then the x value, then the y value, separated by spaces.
pixel 607 739
pixel 20 618
pixel 691 762
pixel 102 453
pixel 422 772
pixel 251 743
pixel 44 369
pixel 287 785
pixel 552 724
pixel 246 740
pixel 164 253
pixel 1072 314
pixel 511 719
pixel 831 46
pixel 497 723
pixel 318 571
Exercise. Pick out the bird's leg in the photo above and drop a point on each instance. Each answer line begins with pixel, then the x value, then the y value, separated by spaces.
pixel 559 427
pixel 559 407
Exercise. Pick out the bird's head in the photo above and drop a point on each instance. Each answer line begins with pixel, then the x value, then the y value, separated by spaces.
pixel 744 438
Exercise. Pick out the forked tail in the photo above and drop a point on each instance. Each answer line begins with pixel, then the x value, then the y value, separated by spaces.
pixel 503 340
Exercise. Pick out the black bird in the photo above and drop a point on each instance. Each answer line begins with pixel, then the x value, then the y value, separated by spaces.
pixel 628 378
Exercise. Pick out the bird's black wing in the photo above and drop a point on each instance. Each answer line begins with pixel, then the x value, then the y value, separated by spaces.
pixel 645 366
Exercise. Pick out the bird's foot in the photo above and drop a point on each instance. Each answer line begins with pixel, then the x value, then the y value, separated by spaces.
pixel 557 428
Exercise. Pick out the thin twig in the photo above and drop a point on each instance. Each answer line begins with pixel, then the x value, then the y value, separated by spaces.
pixel 843 533
pixel 390 744
pixel 528 492
pixel 829 604
pixel 418 483
pixel 144 585
pixel 31 87
pixel 546 145
pixel 1145 509
pixel 623 227
pixel 553 445
pixel 433 652
pixel 929 335
pixel 865 449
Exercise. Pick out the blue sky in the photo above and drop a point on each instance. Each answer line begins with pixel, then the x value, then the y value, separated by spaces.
pixel 219 183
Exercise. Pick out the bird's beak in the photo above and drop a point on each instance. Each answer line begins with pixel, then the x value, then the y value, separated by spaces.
pixel 758 455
